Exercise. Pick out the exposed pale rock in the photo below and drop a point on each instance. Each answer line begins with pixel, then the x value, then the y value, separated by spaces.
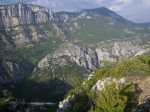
pixel 21 20
pixel 101 84
pixel 65 104
pixel 93 58
pixel 44 63
pixel 22 14
pixel 98 87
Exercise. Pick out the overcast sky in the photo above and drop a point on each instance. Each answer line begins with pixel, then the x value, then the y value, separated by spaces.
pixel 135 10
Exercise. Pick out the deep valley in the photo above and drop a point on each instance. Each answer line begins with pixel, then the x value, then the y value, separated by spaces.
pixel 69 58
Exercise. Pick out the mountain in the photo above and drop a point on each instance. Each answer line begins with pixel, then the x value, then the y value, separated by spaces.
pixel 100 24
pixel 106 12
pixel 44 54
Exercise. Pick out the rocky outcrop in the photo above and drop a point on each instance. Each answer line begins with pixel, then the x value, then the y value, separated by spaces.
pixel 98 87
pixel 22 14
pixel 85 57
pixel 11 71
pixel 92 58
pixel 22 22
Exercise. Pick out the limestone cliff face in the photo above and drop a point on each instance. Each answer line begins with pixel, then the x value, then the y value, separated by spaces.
pixel 92 58
pixel 22 14
pixel 22 22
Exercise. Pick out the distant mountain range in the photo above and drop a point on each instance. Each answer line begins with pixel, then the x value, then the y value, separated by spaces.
pixel 99 24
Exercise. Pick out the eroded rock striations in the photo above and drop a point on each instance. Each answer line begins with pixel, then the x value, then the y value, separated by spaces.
pixel 19 25
pixel 21 21
pixel 92 58
pixel 22 14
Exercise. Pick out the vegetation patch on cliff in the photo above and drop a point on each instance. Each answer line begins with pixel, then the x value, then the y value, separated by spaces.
pixel 107 96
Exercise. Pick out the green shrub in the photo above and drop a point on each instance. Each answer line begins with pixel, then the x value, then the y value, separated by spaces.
pixel 139 65
pixel 112 98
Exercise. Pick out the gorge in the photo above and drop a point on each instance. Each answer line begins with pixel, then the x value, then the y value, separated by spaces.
pixel 43 54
